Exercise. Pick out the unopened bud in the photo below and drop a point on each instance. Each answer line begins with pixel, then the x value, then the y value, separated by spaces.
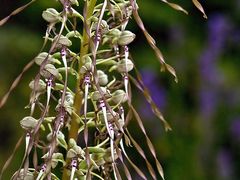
pixel 79 150
pixel 72 143
pixel 107 156
pixel 23 174
pixel 87 65
pixel 115 32
pixel 56 157
pixel 28 123
pixel 43 56
pixel 126 38
pixel 102 78
pixel 110 116
pixel 74 2
pixel 104 27
pixel 63 40
pixel 112 36
pixel 125 66
pixel 49 70
pixel 96 95
pixel 51 15
pixel 71 154
pixel 119 96
pixel 75 151
pixel 39 87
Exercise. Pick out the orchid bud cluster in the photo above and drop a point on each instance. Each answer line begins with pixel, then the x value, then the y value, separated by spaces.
pixel 61 117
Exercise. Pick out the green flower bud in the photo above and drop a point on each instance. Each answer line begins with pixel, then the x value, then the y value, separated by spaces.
pixel 96 94
pixel 71 154
pixel 110 116
pixel 107 156
pixel 124 66
pixel 69 98
pixel 56 157
pixel 28 123
pixel 115 33
pixel 72 143
pixel 96 150
pixel 49 70
pixel 74 2
pixel 51 15
pixel 60 139
pixel 120 125
pixel 87 65
pixel 42 56
pixel 40 87
pixel 98 158
pixel 119 96
pixel 63 40
pixel 74 33
pixel 112 36
pixel 102 78
pixel 86 59
pixel 25 176
pixel 121 122
pixel 67 103
pixel 123 8
pixel 103 26
pixel 76 151
pixel 126 38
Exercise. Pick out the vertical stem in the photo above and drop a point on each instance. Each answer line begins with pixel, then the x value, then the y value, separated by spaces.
pixel 83 51
pixel 73 132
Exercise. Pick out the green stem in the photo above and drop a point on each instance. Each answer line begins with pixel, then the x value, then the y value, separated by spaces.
pixel 73 132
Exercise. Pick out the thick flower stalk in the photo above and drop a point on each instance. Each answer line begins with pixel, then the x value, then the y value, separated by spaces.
pixel 60 116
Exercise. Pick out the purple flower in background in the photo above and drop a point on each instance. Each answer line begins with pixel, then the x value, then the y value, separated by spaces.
pixel 235 129
pixel 218 29
pixel 224 164
pixel 158 94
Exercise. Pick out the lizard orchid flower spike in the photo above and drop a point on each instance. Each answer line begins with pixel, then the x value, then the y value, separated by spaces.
pixel 101 71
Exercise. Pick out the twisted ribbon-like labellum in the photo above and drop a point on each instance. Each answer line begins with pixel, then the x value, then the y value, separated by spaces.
pixel 74 167
pixel 42 171
pixel 112 148
pixel 27 140
pixel 61 123
pixel 49 87
pixel 125 78
pixel 104 111
pixel 87 81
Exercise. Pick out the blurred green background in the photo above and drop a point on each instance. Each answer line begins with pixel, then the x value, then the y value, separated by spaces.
pixel 203 108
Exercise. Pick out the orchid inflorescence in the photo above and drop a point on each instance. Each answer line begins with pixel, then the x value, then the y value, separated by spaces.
pixel 60 116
